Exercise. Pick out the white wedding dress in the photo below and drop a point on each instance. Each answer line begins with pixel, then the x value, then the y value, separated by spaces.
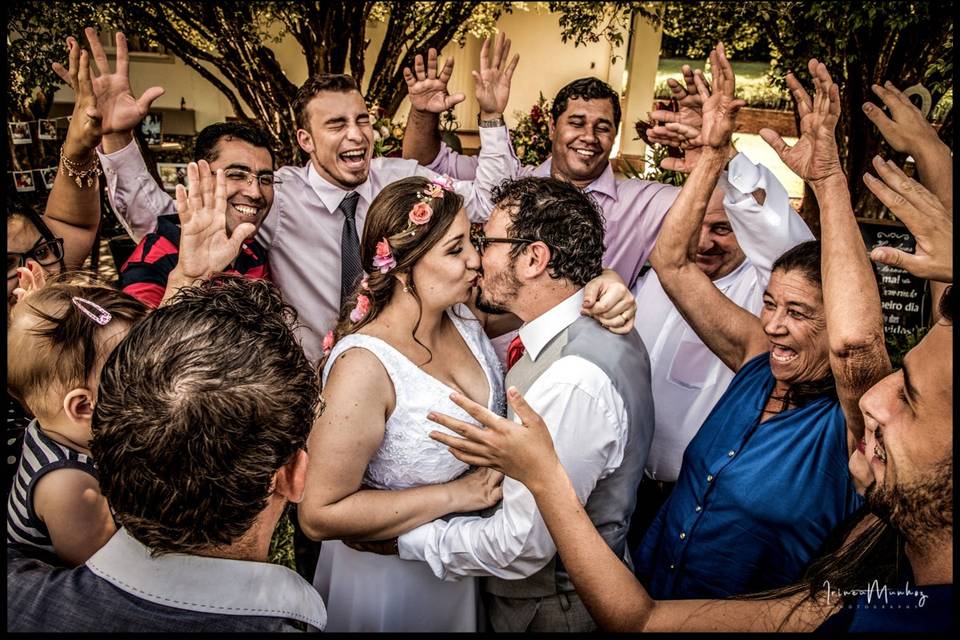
pixel 370 592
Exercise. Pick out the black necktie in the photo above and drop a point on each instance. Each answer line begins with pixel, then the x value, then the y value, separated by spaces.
pixel 350 271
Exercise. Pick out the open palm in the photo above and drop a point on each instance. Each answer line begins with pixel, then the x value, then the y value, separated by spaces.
pixel 205 247
pixel 494 77
pixel 815 155
pixel 426 89
pixel 119 109
pixel 718 117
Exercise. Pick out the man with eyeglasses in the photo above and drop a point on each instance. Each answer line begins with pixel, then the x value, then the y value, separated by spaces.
pixel 153 273
pixel 545 243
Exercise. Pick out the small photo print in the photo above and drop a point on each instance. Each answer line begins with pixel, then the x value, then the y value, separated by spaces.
pixel 171 174
pixel 47 129
pixel 49 175
pixel 24 180
pixel 152 128
pixel 20 133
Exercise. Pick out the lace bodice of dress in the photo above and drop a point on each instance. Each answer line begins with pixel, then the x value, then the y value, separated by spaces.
pixel 408 457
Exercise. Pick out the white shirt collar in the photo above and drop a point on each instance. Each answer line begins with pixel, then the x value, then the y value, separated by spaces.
pixel 212 585
pixel 332 195
pixel 538 332
pixel 733 276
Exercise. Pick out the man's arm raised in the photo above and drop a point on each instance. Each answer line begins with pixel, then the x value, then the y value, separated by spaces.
pixel 732 333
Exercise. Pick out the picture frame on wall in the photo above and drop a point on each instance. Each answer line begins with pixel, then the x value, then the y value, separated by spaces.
pixel 172 174
pixel 23 181
pixel 20 133
pixel 47 129
pixel 49 175
pixel 152 128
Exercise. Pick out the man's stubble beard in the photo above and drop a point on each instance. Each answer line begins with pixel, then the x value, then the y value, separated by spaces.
pixel 920 511
pixel 510 282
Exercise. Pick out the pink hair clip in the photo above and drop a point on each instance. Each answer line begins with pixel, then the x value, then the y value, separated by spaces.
pixel 92 310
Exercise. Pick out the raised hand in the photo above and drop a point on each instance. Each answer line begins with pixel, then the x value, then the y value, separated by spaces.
pixel 205 247
pixel 925 216
pixel 906 129
pixel 85 130
pixel 30 279
pixel 719 106
pixel 523 451
pixel 121 111
pixel 427 90
pixel 493 79
pixel 815 156
pixel 690 113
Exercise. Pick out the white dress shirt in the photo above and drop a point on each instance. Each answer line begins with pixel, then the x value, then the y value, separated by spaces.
pixel 302 231
pixel 687 379
pixel 588 422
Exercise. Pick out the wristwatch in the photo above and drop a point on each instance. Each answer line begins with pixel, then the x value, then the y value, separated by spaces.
pixel 496 122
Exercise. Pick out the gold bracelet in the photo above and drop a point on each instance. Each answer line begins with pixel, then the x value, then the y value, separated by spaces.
pixel 80 172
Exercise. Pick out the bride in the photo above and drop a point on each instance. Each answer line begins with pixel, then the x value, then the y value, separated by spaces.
pixel 411 339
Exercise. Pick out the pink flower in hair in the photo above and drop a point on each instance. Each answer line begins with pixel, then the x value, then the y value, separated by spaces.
pixel 361 310
pixel 327 342
pixel 384 259
pixel 421 213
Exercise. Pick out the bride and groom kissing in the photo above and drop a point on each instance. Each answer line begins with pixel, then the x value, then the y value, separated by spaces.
pixel 417 330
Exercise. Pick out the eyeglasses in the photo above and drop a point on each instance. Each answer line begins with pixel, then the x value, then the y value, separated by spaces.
pixel 480 240
pixel 44 252
pixel 266 180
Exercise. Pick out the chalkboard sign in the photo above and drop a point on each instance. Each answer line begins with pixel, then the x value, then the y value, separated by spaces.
pixel 903 297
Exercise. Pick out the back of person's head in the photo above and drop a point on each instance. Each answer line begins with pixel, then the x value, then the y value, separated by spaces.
pixel 586 89
pixel 805 258
pixel 206 146
pixel 200 406
pixel 59 336
pixel 336 82
pixel 563 217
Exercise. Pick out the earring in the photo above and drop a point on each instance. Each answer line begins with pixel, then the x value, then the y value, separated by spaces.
pixel 405 289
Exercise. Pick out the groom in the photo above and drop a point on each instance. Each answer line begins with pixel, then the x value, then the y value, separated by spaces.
pixel 542 244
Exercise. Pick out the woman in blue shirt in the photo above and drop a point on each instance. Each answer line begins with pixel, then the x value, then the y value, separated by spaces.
pixel 765 479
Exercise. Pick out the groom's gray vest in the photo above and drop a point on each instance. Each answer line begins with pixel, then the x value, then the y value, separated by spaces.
pixel 623 358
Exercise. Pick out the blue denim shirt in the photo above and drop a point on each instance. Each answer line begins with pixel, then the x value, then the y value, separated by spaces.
pixel 754 501
pixel 123 588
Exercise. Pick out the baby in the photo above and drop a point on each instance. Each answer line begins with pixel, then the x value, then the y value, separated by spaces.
pixel 58 338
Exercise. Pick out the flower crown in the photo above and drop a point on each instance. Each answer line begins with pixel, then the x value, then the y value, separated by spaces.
pixel 420 214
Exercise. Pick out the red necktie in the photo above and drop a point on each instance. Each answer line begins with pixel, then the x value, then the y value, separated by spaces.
pixel 514 352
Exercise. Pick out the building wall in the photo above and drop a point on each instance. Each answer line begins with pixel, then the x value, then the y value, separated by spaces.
pixel 546 64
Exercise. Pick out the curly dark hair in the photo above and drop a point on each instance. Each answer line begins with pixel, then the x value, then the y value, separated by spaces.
pixel 560 215
pixel 338 82
pixel 206 145
pixel 198 408
pixel 586 89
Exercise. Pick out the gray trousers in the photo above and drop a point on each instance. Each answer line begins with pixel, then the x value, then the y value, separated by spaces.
pixel 560 612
